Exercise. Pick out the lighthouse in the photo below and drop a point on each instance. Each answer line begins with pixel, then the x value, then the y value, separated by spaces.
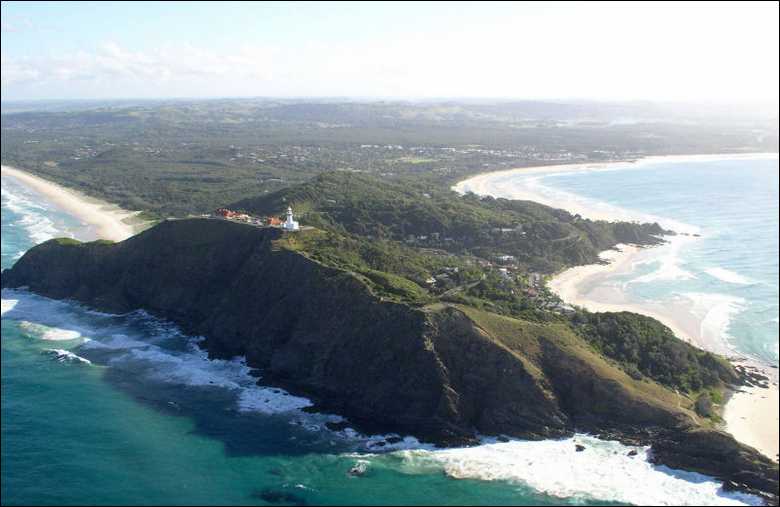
pixel 290 224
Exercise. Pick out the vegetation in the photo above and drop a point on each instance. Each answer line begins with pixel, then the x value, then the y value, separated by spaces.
pixel 483 253
pixel 372 179
pixel 393 272
pixel 645 347
pixel 75 242
pixel 531 339
pixel 419 247
pixel 173 158
pixel 448 290
pixel 534 236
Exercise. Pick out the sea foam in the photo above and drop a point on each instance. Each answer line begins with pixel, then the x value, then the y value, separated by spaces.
pixel 137 343
pixel 63 356
pixel 7 305
pixel 158 349
pixel 34 219
pixel 666 258
pixel 603 471
pixel 716 312
pixel 728 276
pixel 48 333
pixel 532 186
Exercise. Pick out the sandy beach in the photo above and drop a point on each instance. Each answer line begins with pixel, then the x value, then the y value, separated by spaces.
pixel 599 297
pixel 751 415
pixel 482 181
pixel 491 183
pixel 106 220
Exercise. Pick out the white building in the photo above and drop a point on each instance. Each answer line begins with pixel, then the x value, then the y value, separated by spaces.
pixel 290 224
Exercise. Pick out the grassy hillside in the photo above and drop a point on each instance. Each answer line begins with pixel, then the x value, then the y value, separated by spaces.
pixel 533 341
pixel 540 238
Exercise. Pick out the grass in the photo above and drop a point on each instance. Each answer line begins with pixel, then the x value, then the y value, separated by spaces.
pixel 67 241
pixel 317 245
pixel 527 339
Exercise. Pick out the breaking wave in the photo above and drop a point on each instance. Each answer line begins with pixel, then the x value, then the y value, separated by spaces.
pixel 157 351
pixel 34 216
pixel 42 332
pixel 728 276
pixel 7 305
pixel 667 259
pixel 604 471
pixel 716 312
pixel 66 356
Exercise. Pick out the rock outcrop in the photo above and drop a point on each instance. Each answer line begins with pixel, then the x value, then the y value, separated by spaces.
pixel 444 373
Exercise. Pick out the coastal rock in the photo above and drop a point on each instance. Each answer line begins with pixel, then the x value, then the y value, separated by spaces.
pixel 280 497
pixel 704 405
pixel 444 373
pixel 359 469
pixel 337 426
pixel 717 454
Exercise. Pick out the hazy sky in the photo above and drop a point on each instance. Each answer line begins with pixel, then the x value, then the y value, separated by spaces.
pixel 674 51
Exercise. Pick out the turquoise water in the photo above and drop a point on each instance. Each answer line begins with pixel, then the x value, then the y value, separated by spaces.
pixel 124 409
pixel 728 275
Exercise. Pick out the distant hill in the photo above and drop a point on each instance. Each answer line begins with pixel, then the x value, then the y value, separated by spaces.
pixel 177 157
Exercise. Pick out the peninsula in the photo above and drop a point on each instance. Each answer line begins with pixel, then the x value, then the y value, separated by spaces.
pixel 420 312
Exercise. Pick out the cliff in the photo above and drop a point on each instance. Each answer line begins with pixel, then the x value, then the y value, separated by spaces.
pixel 442 372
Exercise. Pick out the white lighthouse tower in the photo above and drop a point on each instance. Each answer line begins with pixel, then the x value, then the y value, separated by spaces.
pixel 290 224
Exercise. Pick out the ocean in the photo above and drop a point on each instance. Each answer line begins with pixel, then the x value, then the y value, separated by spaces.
pixel 125 409
pixel 724 272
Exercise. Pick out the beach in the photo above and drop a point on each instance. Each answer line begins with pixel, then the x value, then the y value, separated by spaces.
pixel 108 221
pixel 568 285
pixel 488 183
pixel 751 414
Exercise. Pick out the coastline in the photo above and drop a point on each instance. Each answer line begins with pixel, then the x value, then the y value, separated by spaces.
pixel 106 220
pixel 751 414
pixel 485 183
pixel 469 184
pixel 568 286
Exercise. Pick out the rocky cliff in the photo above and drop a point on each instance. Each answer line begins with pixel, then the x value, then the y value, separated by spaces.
pixel 442 372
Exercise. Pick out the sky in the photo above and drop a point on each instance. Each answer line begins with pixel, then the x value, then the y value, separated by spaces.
pixel 702 52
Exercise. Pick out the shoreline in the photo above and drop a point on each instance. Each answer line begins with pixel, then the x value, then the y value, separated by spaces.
pixel 483 183
pixel 749 414
pixel 106 220
pixel 466 185
pixel 567 284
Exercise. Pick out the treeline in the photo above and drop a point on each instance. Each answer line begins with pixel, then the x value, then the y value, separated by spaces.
pixel 182 157
pixel 647 348
pixel 531 235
